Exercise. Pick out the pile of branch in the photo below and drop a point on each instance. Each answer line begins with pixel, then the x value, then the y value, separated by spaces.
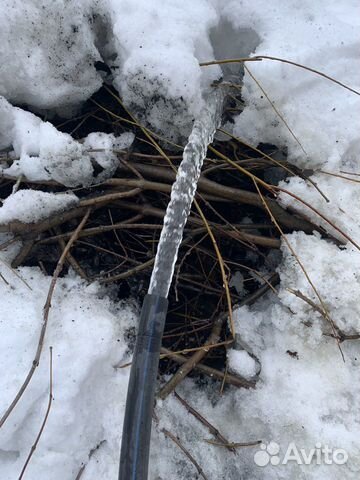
pixel 118 242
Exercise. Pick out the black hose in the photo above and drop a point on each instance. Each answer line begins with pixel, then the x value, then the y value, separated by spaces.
pixel 135 445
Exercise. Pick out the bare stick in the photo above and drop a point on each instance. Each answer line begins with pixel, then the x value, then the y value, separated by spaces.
pixel 339 333
pixel 33 448
pixel 234 444
pixel 190 364
pixel 91 453
pixel 230 379
pixel 186 452
pixel 213 430
pixel 18 227
pixel 211 187
pixel 47 307
pixel 237 381
pixel 283 60
pixel 70 259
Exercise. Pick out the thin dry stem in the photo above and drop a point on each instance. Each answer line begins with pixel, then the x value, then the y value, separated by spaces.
pixel 47 307
pixel 185 451
pixel 283 60
pixel 33 448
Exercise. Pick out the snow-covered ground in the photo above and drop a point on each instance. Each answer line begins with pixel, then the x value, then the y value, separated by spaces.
pixel 307 394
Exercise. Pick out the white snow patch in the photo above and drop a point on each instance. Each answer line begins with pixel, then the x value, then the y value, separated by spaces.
pixel 86 331
pixel 305 393
pixel 241 363
pixel 48 51
pixel 322 35
pixel 30 206
pixel 342 208
pixel 43 153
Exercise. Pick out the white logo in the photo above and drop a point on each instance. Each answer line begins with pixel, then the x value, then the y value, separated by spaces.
pixel 268 453
pixel 319 455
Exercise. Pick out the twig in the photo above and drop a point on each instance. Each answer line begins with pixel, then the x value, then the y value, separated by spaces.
pixel 24 252
pixel 90 232
pixel 193 360
pixel 17 227
pixel 340 335
pixel 213 430
pixel 33 448
pixel 231 193
pixel 47 307
pixel 128 273
pixel 231 379
pixel 220 229
pixel 275 190
pixel 91 453
pixel 70 259
pixel 277 59
pixel 206 349
pixel 234 444
pixel 234 380
pixel 221 265
pixel 185 451
pixel 275 109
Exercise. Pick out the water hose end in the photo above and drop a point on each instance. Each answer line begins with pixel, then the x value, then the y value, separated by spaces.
pixel 135 443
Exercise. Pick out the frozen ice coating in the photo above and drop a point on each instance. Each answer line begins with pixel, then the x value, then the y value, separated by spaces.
pixel 30 206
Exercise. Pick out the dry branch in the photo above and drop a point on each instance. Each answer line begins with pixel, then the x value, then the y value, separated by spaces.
pixel 185 451
pixel 33 448
pixel 47 307
pixel 213 430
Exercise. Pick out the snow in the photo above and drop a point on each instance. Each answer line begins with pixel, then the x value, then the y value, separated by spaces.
pixel 237 281
pixel 342 209
pixel 152 42
pixel 305 391
pixel 60 44
pixel 321 35
pixel 48 53
pixel 43 153
pixel 86 330
pixel 30 206
pixel 241 363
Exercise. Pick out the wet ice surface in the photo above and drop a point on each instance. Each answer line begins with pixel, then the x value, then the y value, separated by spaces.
pixel 183 192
